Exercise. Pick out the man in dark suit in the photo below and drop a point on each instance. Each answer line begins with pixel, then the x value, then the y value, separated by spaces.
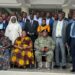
pixel 31 27
pixel 71 40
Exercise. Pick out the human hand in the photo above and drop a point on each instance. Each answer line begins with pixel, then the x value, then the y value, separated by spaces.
pixel 46 49
pixel 42 49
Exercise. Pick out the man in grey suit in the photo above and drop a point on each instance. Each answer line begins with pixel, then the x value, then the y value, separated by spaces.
pixel 59 35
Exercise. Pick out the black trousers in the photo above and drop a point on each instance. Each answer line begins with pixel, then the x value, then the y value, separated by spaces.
pixel 72 44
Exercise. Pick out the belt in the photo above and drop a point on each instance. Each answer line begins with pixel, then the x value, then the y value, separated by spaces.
pixel 58 37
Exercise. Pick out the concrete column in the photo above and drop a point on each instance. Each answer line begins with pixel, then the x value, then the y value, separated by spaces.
pixel 25 9
pixel 66 10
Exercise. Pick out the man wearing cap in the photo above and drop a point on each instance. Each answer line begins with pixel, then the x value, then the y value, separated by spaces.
pixel 44 44
pixel 43 26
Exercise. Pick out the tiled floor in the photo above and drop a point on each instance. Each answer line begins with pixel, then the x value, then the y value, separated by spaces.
pixel 36 72
pixel 16 71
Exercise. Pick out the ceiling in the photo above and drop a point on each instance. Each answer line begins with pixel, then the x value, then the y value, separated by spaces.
pixel 38 3
pixel 50 3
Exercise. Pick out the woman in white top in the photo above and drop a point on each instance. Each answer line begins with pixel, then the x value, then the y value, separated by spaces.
pixel 13 29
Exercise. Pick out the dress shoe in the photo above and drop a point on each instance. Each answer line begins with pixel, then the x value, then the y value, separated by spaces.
pixel 64 67
pixel 57 67
pixel 72 70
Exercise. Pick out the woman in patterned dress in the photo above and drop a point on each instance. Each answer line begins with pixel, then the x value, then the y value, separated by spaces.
pixel 22 53
pixel 5 44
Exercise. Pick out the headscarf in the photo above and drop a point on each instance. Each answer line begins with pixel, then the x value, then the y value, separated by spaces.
pixel 11 19
pixel 11 26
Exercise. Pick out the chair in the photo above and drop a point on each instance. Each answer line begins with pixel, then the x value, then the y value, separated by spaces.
pixel 44 61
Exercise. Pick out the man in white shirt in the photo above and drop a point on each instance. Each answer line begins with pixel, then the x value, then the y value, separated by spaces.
pixel 49 21
pixel 59 35
pixel 59 28
pixel 38 18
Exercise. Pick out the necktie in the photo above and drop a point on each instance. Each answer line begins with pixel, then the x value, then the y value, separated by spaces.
pixel 31 22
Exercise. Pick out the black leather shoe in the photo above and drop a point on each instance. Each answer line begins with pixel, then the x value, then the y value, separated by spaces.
pixel 64 67
pixel 57 67
pixel 72 70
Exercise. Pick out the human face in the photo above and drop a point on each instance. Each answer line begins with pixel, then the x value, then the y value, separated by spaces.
pixel 44 34
pixel 48 15
pixel 43 22
pixel 24 15
pixel 40 34
pixel 60 16
pixel 38 15
pixel 42 14
pixel 24 34
pixel 3 16
pixel 19 18
pixel 63 14
pixel 31 16
pixel 13 20
pixel 56 17
pixel 74 15
pixel 1 19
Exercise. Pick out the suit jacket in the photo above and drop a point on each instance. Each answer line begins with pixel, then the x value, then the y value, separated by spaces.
pixel 31 28
pixel 68 38
pixel 65 23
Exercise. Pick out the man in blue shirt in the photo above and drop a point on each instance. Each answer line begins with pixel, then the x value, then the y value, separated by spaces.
pixel 49 21
pixel 21 22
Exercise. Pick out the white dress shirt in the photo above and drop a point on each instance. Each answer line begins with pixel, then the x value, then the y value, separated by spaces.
pixel 39 20
pixel 47 21
pixel 59 29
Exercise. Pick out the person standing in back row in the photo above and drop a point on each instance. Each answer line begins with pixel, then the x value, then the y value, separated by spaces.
pixel 71 40
pixel 59 36
pixel 31 28
pixel 13 29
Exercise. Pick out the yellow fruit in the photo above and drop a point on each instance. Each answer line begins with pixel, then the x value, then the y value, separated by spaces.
pixel 21 62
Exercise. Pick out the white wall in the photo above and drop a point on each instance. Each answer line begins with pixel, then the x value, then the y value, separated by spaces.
pixel 8 1
pixel 47 1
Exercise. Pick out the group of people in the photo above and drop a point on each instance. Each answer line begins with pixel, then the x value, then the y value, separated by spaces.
pixel 25 39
